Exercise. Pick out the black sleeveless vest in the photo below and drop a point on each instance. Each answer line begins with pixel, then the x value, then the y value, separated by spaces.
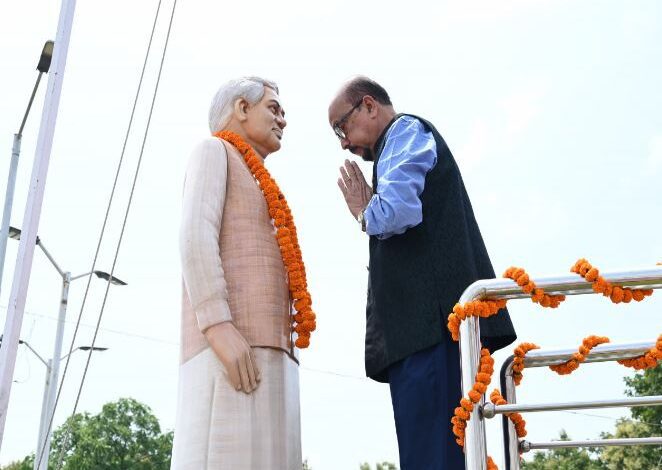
pixel 416 278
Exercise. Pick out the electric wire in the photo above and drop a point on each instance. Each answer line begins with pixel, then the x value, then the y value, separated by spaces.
pixel 101 235
pixel 119 242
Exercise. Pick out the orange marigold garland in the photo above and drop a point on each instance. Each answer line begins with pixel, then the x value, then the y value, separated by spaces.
pixel 518 361
pixel 648 360
pixel 515 418
pixel 286 236
pixel 483 379
pixel 529 287
pixel 474 308
pixel 601 286
pixel 580 356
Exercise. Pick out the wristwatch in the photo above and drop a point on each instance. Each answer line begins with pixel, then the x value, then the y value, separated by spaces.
pixel 361 219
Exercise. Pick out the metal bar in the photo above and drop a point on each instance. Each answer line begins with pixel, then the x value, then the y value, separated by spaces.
pixel 601 353
pixel 9 202
pixel 32 211
pixel 510 439
pixel 50 258
pixel 527 446
pixel 490 410
pixel 572 284
pixel 35 353
pixel 27 111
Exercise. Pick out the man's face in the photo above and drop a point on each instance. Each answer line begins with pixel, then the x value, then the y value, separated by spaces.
pixel 349 123
pixel 265 123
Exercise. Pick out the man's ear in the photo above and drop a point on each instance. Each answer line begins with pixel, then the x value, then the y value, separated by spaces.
pixel 241 109
pixel 370 104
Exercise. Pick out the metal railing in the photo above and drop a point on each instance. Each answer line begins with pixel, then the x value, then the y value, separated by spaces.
pixel 475 450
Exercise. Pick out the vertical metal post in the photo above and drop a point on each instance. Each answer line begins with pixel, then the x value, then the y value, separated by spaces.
pixel 41 456
pixel 32 213
pixel 513 441
pixel 9 201
pixel 43 422
pixel 475 447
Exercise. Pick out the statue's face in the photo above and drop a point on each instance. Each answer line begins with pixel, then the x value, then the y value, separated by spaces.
pixel 265 123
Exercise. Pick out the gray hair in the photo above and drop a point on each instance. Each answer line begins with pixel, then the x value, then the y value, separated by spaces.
pixel 249 88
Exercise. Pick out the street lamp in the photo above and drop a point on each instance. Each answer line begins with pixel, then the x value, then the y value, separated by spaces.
pixel 43 66
pixel 50 387
pixel 41 462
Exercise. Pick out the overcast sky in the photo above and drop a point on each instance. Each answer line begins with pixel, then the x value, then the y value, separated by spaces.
pixel 551 108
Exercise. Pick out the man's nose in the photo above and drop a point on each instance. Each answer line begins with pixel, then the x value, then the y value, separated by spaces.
pixel 280 120
pixel 344 143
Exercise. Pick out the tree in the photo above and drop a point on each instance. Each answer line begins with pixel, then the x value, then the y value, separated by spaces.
pixel 564 459
pixel 125 435
pixel 647 422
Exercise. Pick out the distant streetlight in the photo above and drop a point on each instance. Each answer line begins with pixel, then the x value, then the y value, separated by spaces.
pixel 50 386
pixel 43 66
pixel 41 463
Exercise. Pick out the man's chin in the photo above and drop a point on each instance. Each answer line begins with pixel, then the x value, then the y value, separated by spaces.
pixel 364 152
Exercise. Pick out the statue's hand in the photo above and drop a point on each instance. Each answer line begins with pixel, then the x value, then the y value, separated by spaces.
pixel 236 355
pixel 355 189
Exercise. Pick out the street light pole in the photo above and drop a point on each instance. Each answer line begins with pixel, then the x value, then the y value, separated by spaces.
pixel 32 212
pixel 43 66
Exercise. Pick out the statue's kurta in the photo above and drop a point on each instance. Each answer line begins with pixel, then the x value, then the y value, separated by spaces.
pixel 233 271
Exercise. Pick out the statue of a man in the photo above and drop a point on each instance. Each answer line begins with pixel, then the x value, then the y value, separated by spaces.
pixel 238 405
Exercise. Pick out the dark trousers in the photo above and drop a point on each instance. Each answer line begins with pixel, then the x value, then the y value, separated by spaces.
pixel 425 389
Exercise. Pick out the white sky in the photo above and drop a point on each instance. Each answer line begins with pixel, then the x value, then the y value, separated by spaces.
pixel 550 108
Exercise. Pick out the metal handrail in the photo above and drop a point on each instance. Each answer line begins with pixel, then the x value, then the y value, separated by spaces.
pixel 573 284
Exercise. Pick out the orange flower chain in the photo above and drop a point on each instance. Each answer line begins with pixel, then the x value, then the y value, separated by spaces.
pixel 286 235
pixel 463 412
pixel 518 360
pixel 515 418
pixel 529 287
pixel 587 344
pixel 648 360
pixel 601 286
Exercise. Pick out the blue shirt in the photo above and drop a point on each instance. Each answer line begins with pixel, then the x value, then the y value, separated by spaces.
pixel 409 153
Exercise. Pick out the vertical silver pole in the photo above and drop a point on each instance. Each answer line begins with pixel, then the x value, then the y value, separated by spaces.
pixel 475 448
pixel 30 223
pixel 513 444
pixel 42 460
pixel 43 422
pixel 9 201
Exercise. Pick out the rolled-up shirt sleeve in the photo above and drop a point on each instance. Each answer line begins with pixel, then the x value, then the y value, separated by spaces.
pixel 202 213
pixel 410 152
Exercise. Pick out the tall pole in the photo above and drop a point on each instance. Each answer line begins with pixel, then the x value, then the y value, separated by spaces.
pixel 44 449
pixel 30 224
pixel 11 182
pixel 43 422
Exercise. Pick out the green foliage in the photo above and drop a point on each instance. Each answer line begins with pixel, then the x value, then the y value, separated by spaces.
pixel 125 435
pixel 647 383
pixel 646 422
pixel 564 459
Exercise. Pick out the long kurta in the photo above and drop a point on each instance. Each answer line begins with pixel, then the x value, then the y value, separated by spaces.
pixel 233 271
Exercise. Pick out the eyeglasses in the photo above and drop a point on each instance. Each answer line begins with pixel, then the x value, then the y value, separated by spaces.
pixel 337 127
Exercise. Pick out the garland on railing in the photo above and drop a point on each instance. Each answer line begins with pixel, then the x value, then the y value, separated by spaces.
pixel 487 308
pixel 518 360
pixel 529 287
pixel 514 417
pixel 483 379
pixel 648 360
pixel 580 356
pixel 601 286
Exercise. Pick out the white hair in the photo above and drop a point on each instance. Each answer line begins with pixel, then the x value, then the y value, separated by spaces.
pixel 249 88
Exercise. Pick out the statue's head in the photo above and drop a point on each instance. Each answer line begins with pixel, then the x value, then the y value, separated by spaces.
pixel 250 107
